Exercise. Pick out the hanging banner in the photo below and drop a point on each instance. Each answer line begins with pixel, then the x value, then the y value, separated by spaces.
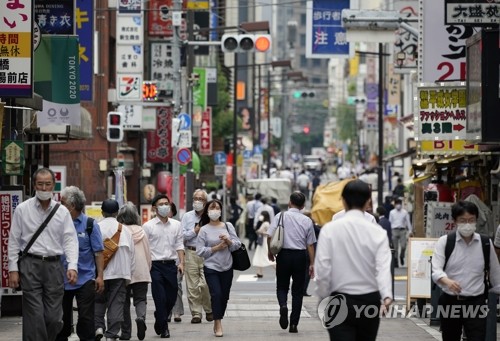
pixel 55 16
pixel 206 132
pixel 16 27
pixel 160 18
pixel 199 95
pixel 57 80
pixel 10 198
pixel 406 44
pixel 159 147
pixel 85 31
pixel 441 112
pixel 325 36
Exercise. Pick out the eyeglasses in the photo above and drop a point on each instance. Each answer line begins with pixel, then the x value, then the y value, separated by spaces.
pixel 199 199
pixel 162 204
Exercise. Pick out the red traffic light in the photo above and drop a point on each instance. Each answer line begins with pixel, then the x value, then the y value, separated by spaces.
pixel 306 129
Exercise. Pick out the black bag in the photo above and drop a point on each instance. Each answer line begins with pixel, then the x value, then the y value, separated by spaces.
pixel 241 260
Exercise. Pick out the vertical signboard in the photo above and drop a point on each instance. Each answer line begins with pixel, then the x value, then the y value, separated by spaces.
pixel 57 80
pixel 199 95
pixel 406 44
pixel 55 16
pixel 161 67
pixel 159 147
pixel 84 20
pixel 325 36
pixel 16 39
pixel 160 18
pixel 10 198
pixel 129 58
pixel 206 132
pixel 442 47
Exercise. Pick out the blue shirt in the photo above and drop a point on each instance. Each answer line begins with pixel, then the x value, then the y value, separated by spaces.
pixel 87 247
pixel 188 222
pixel 298 229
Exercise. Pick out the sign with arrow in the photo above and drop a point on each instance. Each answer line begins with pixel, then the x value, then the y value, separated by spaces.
pixel 442 112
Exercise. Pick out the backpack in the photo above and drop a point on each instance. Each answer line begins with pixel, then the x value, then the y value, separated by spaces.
pixel 485 242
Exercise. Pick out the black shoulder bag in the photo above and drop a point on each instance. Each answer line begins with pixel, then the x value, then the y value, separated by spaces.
pixel 33 239
pixel 241 260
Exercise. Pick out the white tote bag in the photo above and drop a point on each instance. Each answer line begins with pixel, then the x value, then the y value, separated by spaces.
pixel 276 243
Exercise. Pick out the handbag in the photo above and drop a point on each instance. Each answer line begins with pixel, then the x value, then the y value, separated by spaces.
pixel 32 241
pixel 276 243
pixel 111 245
pixel 241 260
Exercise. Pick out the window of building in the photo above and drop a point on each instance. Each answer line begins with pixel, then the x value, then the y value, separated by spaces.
pixel 303 19
pixel 303 40
pixel 316 62
pixel 303 61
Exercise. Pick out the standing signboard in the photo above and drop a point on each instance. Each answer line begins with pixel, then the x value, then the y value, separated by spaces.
pixel 16 26
pixel 325 36
pixel 10 198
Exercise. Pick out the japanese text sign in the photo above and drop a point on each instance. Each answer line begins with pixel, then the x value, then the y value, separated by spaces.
pixel 439 221
pixel 325 36
pixel 161 66
pixel 206 132
pixel 84 20
pixel 441 112
pixel 55 16
pixel 472 12
pixel 159 147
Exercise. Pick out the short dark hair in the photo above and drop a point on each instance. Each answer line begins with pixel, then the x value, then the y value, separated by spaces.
pixel 298 199
pixel 462 207
pixel 42 171
pixel 258 196
pixel 158 197
pixel 356 194
pixel 381 211
pixel 398 201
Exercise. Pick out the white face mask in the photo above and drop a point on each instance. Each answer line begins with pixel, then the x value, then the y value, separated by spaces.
pixel 198 205
pixel 466 230
pixel 43 195
pixel 163 211
pixel 214 214
pixel 398 207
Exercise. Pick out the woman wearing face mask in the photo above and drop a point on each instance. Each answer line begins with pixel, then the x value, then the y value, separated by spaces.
pixel 216 240
pixel 260 259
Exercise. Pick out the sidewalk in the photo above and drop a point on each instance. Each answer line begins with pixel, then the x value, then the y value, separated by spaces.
pixel 251 317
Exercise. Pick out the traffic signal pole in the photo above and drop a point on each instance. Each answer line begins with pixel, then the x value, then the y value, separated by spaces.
pixel 176 58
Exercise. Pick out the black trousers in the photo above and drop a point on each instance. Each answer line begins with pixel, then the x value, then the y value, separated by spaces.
pixel 164 290
pixel 291 264
pixel 219 283
pixel 469 314
pixel 359 324
pixel 85 298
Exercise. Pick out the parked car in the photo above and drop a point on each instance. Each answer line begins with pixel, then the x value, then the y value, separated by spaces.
pixel 311 162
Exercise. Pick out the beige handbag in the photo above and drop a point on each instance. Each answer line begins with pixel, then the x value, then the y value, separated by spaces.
pixel 276 243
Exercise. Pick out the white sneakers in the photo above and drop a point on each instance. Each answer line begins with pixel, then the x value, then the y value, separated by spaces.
pixel 99 334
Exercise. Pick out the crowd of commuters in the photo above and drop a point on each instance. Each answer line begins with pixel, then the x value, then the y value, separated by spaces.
pixel 48 238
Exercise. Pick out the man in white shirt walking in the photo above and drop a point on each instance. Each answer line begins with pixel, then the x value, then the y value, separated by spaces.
pixel 41 272
pixel 462 277
pixel 117 274
pixel 401 227
pixel 360 249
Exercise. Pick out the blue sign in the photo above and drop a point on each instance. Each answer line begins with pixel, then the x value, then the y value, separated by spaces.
pixel 185 121
pixel 325 36
pixel 247 154
pixel 257 150
pixel 55 16
pixel 85 31
pixel 220 158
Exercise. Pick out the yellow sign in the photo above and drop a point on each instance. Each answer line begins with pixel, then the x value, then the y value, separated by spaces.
pixel 448 147
pixel 197 4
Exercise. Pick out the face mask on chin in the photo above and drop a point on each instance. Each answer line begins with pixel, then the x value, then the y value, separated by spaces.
pixel 43 195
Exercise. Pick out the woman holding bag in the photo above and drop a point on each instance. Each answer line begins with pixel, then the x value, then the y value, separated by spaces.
pixel 216 240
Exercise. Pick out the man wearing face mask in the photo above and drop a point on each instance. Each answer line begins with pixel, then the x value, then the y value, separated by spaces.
pixel 462 277
pixel 41 270
pixel 167 253
pixel 196 285
pixel 401 225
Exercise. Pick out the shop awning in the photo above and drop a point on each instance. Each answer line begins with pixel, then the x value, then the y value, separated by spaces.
pixel 400 155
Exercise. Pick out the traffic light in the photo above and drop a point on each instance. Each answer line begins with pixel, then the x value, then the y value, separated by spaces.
pixel 245 43
pixel 306 129
pixel 353 100
pixel 303 94
pixel 114 132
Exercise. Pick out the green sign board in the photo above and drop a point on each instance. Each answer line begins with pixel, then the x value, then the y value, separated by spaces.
pixel 199 95
pixel 13 158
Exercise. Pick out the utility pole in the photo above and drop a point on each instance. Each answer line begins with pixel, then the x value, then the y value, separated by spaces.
pixel 176 58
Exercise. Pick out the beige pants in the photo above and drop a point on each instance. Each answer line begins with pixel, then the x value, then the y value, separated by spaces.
pixel 197 289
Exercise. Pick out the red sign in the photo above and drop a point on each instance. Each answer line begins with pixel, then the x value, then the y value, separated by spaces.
pixel 206 132
pixel 183 156
pixel 160 18
pixel 9 200
pixel 159 147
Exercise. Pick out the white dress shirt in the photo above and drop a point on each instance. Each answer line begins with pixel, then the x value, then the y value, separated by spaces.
pixel 165 239
pixel 123 262
pixel 465 266
pixel 353 257
pixel 400 218
pixel 368 216
pixel 59 236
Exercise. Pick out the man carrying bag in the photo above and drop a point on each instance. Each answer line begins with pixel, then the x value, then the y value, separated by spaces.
pixel 291 260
